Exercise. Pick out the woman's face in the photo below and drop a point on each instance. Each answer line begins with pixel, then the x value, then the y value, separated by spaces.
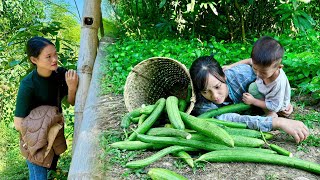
pixel 47 59
pixel 215 90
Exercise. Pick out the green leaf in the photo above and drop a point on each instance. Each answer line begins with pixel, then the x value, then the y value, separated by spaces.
pixel 305 24
pixel 214 10
pixel 1 6
pixel 308 18
pixel 58 44
pixel 13 63
pixel 306 72
pixel 300 76
pixel 162 3
pixel 296 22
pixel 190 6
pixel 284 17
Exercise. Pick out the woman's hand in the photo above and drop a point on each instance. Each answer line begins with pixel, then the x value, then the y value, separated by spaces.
pixel 17 123
pixel 72 80
pixel 295 128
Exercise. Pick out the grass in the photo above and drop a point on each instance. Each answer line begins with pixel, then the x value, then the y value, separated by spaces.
pixel 12 164
pixel 312 120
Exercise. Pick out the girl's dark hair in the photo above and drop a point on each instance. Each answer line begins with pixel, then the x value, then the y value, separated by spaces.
pixel 35 45
pixel 201 68
pixel 266 51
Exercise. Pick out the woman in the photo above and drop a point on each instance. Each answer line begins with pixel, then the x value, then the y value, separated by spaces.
pixel 47 84
pixel 215 88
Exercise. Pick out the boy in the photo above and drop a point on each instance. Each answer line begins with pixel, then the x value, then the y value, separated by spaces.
pixel 271 90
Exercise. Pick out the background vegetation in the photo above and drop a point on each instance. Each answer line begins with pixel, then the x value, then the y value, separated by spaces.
pixel 180 29
pixel 19 21
pixel 185 30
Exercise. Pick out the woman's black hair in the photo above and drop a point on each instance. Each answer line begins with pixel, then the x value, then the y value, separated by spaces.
pixel 35 45
pixel 201 68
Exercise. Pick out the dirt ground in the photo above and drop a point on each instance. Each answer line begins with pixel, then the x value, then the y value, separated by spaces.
pixel 113 109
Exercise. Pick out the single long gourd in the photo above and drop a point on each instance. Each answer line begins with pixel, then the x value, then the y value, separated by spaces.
pixel 257 157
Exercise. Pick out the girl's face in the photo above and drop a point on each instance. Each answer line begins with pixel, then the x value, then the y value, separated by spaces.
pixel 215 90
pixel 47 61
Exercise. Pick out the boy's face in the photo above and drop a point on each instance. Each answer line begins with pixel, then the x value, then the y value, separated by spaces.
pixel 266 73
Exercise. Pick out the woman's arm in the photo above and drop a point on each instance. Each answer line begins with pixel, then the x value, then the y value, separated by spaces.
pixel 72 83
pixel 295 128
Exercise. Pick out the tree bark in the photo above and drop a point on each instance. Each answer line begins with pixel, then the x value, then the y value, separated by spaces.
pixel 243 33
pixel 87 54
pixel 230 27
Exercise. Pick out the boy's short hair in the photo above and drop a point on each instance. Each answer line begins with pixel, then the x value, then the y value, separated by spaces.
pixel 266 51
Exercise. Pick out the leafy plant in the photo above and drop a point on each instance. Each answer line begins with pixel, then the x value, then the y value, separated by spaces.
pixel 225 19
pixel 293 14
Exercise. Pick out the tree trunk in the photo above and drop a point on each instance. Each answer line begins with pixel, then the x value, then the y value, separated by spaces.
pixel 243 33
pixel 87 54
pixel 230 27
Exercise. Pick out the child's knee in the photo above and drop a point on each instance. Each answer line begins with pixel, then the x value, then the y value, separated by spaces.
pixel 253 90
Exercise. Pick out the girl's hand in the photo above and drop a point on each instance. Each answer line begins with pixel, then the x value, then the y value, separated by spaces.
pixel 247 98
pixel 72 80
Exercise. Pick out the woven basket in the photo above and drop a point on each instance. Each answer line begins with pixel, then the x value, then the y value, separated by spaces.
pixel 155 78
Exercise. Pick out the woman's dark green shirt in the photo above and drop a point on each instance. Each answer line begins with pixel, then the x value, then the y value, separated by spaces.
pixel 35 91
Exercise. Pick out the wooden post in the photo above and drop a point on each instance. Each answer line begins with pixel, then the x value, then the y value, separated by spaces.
pixel 87 54
pixel 85 158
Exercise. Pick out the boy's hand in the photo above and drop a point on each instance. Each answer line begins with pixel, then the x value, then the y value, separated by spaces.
pixel 247 98
pixel 287 111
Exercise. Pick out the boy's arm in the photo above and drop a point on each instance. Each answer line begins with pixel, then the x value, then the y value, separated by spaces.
pixel 244 61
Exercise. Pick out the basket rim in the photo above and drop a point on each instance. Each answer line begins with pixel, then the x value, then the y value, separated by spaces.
pixel 186 70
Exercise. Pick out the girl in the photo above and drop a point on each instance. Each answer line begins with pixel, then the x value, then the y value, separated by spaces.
pixel 47 84
pixel 215 88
